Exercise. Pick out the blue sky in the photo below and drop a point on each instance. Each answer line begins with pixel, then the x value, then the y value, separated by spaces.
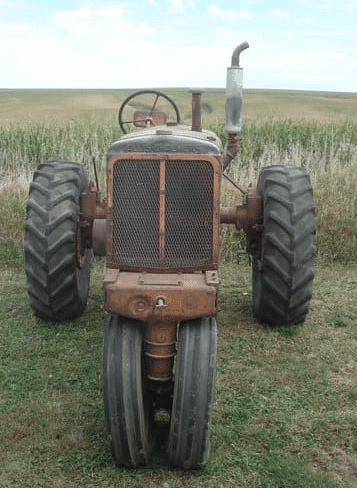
pixel 295 44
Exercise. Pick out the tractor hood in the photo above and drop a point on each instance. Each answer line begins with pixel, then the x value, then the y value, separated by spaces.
pixel 169 139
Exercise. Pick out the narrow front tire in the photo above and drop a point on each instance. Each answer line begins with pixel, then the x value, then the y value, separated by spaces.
pixel 189 437
pixel 128 409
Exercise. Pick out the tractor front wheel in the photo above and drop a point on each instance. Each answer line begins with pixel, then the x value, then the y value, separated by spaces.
pixel 128 408
pixel 189 437
pixel 283 269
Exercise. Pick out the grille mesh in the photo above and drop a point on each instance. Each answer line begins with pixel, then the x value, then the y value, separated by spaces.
pixel 188 214
pixel 136 213
pixel 189 195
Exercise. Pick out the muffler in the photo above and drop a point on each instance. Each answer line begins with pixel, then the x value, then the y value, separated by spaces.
pixel 234 103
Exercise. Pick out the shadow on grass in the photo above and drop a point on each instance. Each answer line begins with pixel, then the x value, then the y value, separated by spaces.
pixel 286 330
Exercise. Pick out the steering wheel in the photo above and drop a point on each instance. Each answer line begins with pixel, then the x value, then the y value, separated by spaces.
pixel 147 114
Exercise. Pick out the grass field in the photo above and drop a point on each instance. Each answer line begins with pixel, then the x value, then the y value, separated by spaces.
pixel 286 399
pixel 29 105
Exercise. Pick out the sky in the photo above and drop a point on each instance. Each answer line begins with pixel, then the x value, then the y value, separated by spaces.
pixel 294 44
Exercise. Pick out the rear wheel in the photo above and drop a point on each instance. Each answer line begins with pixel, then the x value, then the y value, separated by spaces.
pixel 189 438
pixel 127 407
pixel 57 260
pixel 283 270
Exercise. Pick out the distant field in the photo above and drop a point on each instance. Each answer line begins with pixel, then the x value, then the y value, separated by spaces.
pixel 27 105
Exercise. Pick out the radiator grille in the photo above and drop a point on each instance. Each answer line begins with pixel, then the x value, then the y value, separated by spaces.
pixel 189 204
pixel 140 237
pixel 136 213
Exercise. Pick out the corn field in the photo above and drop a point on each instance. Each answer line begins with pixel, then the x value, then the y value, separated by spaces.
pixel 328 151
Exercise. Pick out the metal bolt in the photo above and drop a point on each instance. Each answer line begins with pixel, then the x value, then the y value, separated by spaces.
pixel 160 303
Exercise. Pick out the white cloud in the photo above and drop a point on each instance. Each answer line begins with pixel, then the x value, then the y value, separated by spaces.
pixel 105 25
pixel 88 19
pixel 241 14
pixel 278 13
pixel 349 4
pixel 299 69
pixel 337 5
pixel 90 13
pixel 308 20
pixel 100 47
pixel 87 47
pixel 12 6
pixel 130 45
pixel 180 6
pixel 154 4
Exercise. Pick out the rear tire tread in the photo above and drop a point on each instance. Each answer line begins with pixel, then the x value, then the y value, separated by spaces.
pixel 57 288
pixel 283 276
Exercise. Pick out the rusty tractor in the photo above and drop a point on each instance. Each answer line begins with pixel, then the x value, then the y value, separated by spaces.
pixel 159 230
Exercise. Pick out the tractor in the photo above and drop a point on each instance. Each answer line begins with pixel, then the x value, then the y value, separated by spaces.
pixel 158 228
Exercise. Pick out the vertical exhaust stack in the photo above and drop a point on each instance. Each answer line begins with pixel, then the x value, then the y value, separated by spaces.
pixel 234 102
pixel 196 109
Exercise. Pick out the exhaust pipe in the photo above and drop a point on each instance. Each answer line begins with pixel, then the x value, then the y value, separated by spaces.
pixel 234 92
pixel 234 102
pixel 196 109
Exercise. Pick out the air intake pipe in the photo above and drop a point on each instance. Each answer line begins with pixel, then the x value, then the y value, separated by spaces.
pixel 234 102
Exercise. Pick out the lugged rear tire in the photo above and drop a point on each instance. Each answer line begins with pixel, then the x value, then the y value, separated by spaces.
pixel 57 271
pixel 283 271
pixel 189 437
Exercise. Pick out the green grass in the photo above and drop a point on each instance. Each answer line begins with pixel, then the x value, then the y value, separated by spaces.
pixel 286 399
pixel 285 409
pixel 12 217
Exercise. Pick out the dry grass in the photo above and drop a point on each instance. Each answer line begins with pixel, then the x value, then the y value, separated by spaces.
pixel 34 105
pixel 327 150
